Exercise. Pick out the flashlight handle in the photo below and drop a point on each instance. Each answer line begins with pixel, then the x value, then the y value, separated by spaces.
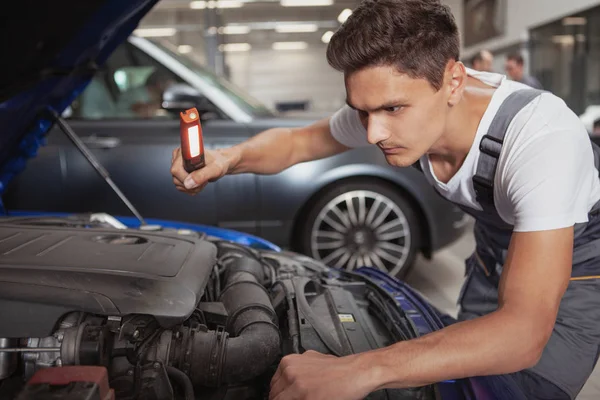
pixel 191 165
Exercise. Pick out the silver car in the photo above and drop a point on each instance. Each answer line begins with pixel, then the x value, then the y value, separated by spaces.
pixel 350 210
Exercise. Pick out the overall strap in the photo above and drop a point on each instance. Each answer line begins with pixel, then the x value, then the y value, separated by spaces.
pixel 491 145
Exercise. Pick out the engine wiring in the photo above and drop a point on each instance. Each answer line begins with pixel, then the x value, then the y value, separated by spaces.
pixel 292 317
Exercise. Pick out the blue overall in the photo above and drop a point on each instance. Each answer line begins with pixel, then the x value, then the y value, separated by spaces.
pixel 572 351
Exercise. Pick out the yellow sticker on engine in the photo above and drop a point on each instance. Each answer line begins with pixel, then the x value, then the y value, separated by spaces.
pixel 346 318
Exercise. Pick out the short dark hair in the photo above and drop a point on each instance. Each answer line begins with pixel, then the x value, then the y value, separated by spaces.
pixel 418 37
pixel 516 57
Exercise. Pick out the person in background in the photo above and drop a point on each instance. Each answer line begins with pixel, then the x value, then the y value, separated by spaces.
pixel 144 101
pixel 596 128
pixel 482 61
pixel 515 69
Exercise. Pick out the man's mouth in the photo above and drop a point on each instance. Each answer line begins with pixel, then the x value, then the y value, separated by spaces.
pixel 392 150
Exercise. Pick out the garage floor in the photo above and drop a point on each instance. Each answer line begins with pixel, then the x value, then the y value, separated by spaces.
pixel 440 280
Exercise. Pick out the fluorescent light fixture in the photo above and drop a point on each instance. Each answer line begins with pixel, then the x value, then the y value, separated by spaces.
pixel 574 21
pixel 290 45
pixel 326 38
pixel 344 15
pixel 154 32
pixel 229 4
pixel 306 3
pixel 198 5
pixel 225 4
pixel 234 30
pixel 231 47
pixel 296 28
pixel 184 48
pixel 565 40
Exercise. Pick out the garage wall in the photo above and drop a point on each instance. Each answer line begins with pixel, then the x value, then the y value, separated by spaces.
pixel 525 14
pixel 457 10
pixel 276 76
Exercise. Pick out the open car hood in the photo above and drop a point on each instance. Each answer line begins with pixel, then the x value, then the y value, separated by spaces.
pixel 52 51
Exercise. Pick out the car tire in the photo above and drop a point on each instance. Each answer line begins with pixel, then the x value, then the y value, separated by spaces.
pixel 362 222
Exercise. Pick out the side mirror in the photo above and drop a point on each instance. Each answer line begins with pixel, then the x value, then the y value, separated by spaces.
pixel 180 96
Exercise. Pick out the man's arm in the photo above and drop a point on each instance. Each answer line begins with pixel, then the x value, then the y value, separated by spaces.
pixel 275 150
pixel 534 279
pixel 269 152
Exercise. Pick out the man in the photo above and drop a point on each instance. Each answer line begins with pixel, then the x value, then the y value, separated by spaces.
pixel 145 101
pixel 482 61
pixel 530 306
pixel 515 69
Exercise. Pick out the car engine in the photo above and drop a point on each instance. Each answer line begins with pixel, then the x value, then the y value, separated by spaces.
pixel 174 314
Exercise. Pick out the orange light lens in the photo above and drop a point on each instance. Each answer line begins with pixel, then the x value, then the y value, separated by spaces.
pixel 194 140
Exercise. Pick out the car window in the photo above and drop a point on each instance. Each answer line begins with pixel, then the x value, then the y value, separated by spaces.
pixel 237 95
pixel 129 86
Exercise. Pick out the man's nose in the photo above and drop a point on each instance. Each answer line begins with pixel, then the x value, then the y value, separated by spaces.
pixel 375 132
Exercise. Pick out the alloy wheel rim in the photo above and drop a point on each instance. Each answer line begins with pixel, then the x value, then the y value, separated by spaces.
pixel 361 228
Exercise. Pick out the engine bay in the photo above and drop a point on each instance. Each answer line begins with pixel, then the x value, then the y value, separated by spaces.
pixel 174 314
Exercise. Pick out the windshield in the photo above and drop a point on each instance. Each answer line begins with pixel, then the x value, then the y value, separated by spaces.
pixel 237 95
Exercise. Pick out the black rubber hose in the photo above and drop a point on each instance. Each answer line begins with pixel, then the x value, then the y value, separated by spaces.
pixel 245 264
pixel 249 345
pixel 182 380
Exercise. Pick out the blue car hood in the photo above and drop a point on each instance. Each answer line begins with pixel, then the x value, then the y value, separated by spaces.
pixel 55 48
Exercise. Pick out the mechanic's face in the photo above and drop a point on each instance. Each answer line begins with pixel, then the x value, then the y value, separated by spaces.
pixel 404 116
pixel 514 70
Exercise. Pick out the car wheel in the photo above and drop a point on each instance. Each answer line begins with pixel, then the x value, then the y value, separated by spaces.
pixel 362 223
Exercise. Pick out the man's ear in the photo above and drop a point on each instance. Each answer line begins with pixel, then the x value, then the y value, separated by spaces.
pixel 456 80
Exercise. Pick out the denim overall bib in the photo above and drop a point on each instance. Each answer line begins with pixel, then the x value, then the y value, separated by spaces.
pixel 572 351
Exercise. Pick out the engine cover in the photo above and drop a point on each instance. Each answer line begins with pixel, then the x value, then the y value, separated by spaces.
pixel 47 272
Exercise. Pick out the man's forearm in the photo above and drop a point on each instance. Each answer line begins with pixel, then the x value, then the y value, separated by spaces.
pixel 497 343
pixel 277 149
pixel 269 152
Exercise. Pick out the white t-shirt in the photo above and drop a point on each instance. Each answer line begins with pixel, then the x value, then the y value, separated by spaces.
pixel 546 178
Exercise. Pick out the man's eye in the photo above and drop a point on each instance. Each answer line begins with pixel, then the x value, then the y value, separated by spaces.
pixel 392 109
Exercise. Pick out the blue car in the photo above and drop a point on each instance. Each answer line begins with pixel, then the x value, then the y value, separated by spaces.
pixel 158 309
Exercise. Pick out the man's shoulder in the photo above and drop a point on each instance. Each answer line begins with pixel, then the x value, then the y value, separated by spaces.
pixel 546 110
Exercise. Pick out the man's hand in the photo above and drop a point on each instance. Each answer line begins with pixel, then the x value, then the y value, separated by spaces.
pixel 317 376
pixel 218 164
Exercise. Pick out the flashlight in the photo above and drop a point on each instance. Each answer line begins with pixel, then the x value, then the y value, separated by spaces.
pixel 192 145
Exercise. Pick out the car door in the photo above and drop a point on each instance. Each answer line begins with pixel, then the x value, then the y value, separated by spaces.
pixel 134 147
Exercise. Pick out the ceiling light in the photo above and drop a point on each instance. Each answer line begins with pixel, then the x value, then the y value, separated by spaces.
pixel 155 32
pixel 234 30
pixel 326 38
pixel 574 21
pixel 184 49
pixel 306 3
pixel 230 47
pixel 344 15
pixel 296 28
pixel 565 40
pixel 228 4
pixel 290 45
pixel 198 5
